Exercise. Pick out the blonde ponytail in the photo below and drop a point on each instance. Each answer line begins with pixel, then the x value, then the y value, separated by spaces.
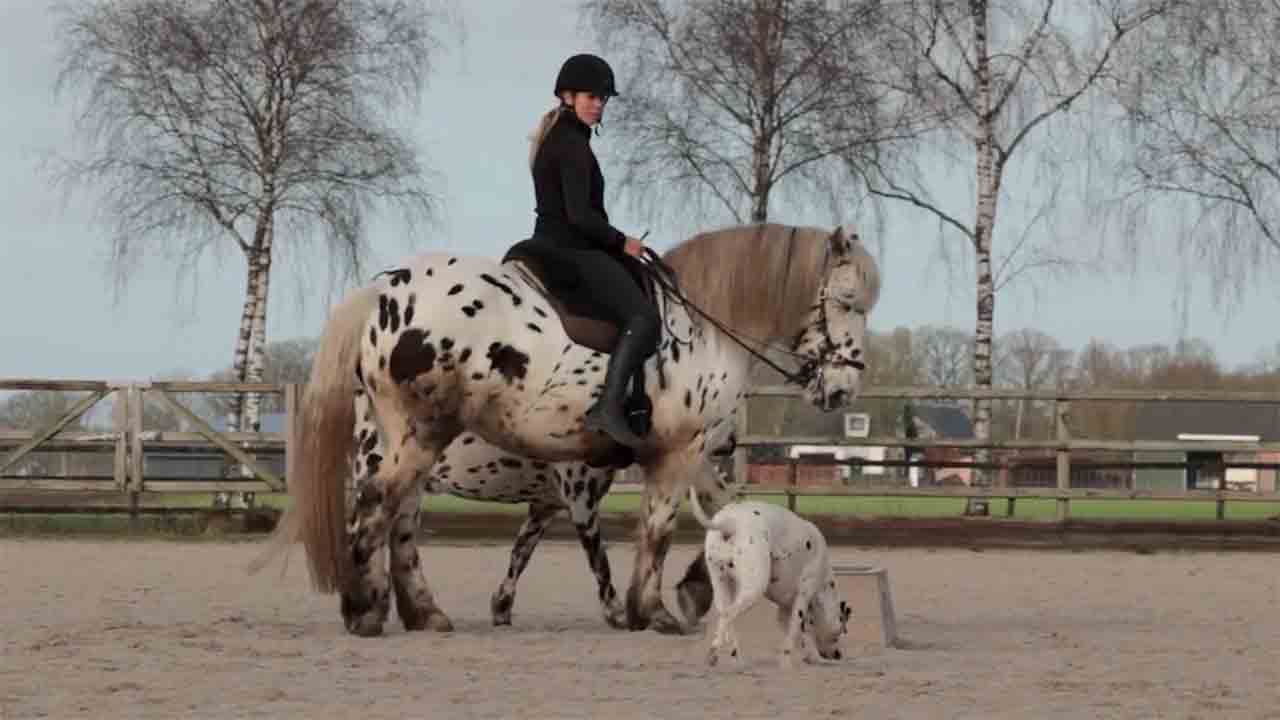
pixel 541 130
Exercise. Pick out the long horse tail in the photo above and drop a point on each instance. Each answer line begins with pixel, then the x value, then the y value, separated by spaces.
pixel 319 450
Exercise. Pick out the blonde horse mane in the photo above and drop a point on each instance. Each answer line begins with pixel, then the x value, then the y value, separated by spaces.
pixel 720 272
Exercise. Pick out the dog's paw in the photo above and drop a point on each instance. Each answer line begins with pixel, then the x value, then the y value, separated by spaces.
pixel 713 657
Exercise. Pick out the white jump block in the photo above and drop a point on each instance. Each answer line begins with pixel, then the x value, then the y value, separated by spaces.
pixel 866 589
pixel 872 624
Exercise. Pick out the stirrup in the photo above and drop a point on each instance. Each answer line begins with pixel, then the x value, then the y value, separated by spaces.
pixel 599 418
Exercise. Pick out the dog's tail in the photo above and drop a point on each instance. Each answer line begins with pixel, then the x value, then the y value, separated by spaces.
pixel 723 526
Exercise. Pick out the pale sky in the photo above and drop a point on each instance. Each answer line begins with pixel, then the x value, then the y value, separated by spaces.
pixel 480 104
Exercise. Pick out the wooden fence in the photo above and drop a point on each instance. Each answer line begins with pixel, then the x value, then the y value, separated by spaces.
pixel 131 445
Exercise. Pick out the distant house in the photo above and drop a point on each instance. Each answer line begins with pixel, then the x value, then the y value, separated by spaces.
pixel 1245 424
pixel 928 420
pixel 939 420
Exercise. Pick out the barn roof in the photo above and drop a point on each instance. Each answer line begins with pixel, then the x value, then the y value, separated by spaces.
pixel 1166 420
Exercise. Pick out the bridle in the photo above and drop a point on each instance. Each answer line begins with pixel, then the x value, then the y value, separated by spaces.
pixel 829 352
pixel 811 369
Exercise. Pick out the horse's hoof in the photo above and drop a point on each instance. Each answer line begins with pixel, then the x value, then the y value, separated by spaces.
pixel 365 626
pixel 439 622
pixel 364 613
pixel 636 623
pixel 694 599
pixel 666 623
pixel 428 620
pixel 500 607
pixel 616 618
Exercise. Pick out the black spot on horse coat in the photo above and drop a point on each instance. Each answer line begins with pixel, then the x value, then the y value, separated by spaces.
pixel 412 356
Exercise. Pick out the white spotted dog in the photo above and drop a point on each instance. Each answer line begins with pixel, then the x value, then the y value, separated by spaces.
pixel 756 550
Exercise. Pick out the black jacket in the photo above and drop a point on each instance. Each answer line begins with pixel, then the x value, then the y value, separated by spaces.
pixel 569 189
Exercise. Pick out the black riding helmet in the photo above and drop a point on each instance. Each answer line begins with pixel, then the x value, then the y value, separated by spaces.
pixel 586 73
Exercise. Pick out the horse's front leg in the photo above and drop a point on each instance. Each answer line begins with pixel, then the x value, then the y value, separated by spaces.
pixel 540 516
pixel 365 601
pixel 583 497
pixel 665 483
pixel 415 602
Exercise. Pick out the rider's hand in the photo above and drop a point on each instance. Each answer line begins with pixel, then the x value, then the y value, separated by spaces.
pixel 633 247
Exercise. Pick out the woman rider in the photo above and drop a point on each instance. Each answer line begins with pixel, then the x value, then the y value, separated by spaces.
pixel 574 227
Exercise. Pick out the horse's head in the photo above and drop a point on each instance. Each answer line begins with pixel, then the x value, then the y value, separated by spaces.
pixel 834 336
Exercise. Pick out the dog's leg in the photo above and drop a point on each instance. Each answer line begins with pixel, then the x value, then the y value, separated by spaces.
pixel 750 569
pixel 693 592
pixel 723 592
pixel 726 635
pixel 800 620
pixel 786 614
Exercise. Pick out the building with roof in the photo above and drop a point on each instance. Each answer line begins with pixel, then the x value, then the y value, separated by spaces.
pixel 1242 424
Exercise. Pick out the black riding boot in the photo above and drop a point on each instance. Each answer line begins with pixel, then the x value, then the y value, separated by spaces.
pixel 609 415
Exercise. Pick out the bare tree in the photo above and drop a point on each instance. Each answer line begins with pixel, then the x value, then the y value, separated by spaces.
pixel 1199 95
pixel 724 101
pixel 283 361
pixel 944 355
pixel 892 361
pixel 248 122
pixel 158 416
pixel 1031 360
pixel 34 410
pixel 998 70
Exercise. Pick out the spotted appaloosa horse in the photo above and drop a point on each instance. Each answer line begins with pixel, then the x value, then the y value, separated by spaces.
pixel 447 344
pixel 473 469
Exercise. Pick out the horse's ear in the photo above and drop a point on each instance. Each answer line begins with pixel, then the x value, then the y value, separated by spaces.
pixel 839 243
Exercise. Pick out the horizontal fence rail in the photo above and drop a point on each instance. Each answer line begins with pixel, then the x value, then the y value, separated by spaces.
pixel 145 461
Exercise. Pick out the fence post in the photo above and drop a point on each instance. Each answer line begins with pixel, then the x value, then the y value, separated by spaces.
pixel 1062 418
pixel 120 427
pixel 292 405
pixel 740 451
pixel 136 482
pixel 793 481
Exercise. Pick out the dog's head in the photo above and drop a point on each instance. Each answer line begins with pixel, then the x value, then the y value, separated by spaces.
pixel 830 615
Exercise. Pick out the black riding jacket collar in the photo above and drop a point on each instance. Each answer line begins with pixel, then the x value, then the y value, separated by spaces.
pixel 569 189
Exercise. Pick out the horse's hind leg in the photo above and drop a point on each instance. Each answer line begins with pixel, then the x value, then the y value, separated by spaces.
pixel 415 603
pixel 387 481
pixel 583 487
pixel 665 483
pixel 540 516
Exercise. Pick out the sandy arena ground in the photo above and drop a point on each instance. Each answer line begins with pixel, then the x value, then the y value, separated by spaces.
pixel 124 629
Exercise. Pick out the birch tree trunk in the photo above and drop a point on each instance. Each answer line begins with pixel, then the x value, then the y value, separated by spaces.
pixel 250 418
pixel 243 338
pixel 988 179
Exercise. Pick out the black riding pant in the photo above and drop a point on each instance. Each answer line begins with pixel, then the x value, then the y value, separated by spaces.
pixel 616 294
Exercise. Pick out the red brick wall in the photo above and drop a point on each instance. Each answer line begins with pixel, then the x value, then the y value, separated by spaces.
pixel 806 475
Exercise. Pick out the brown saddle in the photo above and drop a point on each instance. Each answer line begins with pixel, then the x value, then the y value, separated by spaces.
pixel 595 333
pixel 589 331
